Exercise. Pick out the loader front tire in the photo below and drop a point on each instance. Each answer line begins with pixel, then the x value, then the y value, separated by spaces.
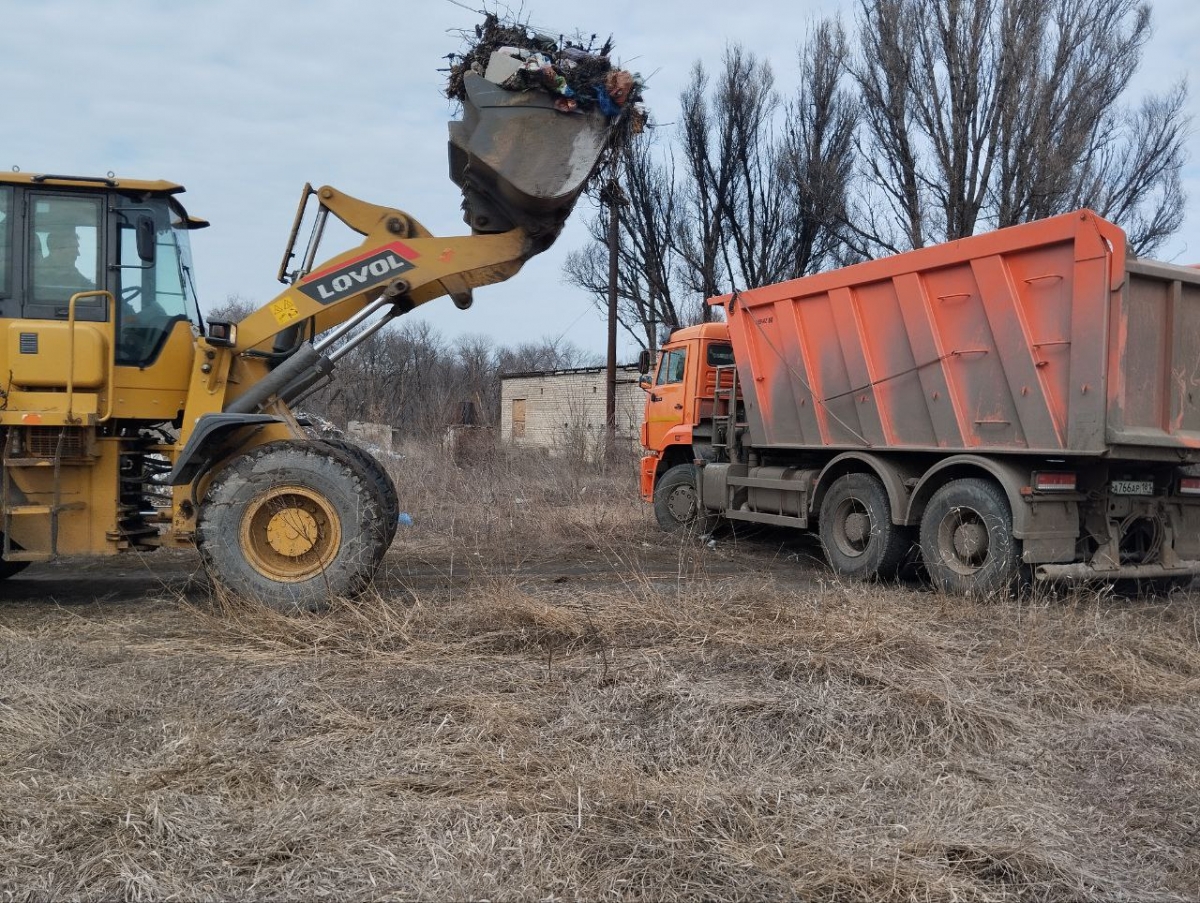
pixel 292 524
pixel 380 479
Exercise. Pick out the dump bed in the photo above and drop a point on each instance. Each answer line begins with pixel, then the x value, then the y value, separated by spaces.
pixel 1042 338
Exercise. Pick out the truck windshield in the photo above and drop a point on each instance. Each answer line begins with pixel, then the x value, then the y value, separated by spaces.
pixel 153 295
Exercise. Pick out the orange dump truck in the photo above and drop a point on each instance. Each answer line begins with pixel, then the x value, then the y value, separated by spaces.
pixel 1028 399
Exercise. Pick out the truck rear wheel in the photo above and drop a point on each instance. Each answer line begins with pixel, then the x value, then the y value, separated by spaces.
pixel 856 529
pixel 381 481
pixel 293 525
pixel 967 541
pixel 676 505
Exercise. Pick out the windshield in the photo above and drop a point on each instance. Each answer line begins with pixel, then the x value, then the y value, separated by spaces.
pixel 153 295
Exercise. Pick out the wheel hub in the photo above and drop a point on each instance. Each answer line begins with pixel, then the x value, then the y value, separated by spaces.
pixel 290 533
pixel 970 539
pixel 852 527
pixel 963 539
pixel 858 527
pixel 682 503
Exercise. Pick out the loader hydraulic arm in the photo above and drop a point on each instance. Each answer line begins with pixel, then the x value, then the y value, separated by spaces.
pixel 521 165
pixel 398 266
pixel 396 251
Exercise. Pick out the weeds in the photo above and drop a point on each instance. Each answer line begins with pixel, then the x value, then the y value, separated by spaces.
pixel 545 697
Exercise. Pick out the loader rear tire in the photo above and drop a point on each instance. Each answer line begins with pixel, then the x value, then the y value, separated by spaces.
pixel 292 524
pixel 381 480
pixel 856 529
pixel 12 568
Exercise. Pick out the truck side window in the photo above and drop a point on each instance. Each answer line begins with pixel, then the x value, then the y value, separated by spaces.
pixel 671 367
pixel 5 239
pixel 720 355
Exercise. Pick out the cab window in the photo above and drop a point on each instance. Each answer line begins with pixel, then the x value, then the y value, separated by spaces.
pixel 720 355
pixel 64 247
pixel 153 294
pixel 5 240
pixel 671 367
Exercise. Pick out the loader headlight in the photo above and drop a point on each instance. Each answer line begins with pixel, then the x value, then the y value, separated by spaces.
pixel 222 334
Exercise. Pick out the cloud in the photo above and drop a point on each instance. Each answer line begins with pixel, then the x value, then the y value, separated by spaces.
pixel 243 103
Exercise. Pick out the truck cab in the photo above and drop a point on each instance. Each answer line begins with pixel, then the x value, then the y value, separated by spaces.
pixel 681 401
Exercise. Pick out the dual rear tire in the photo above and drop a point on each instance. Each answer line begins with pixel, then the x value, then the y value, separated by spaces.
pixel 966 536
pixel 966 539
pixel 856 529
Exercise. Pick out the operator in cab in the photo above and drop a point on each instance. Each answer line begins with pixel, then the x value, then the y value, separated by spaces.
pixel 59 269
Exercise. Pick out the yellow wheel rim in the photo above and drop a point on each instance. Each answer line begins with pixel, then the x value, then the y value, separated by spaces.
pixel 290 533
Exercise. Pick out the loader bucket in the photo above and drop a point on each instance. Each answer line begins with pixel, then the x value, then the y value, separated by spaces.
pixel 520 162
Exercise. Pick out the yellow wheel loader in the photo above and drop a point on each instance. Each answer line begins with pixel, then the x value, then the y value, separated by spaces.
pixel 112 384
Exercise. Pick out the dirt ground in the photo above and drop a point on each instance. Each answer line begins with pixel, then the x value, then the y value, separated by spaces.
pixel 555 701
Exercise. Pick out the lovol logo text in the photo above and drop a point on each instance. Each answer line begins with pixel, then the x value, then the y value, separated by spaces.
pixel 357 276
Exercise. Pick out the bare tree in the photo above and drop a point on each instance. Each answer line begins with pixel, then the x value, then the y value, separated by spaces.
pixel 734 228
pixel 545 354
pixel 646 293
pixel 235 308
pixel 761 191
pixel 817 155
pixel 981 113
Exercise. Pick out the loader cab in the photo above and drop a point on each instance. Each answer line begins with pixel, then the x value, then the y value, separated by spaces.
pixel 65 235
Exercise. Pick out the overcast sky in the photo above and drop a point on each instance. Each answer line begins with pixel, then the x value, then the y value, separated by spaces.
pixel 244 102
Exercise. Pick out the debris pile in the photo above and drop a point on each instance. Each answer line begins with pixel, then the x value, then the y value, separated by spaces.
pixel 578 78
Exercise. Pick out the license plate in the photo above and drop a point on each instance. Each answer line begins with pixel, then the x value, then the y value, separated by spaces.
pixel 1131 487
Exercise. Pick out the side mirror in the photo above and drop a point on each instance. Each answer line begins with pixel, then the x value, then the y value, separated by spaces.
pixel 644 361
pixel 145 239
pixel 644 383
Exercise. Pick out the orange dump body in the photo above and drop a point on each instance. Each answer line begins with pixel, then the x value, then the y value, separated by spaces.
pixel 1042 338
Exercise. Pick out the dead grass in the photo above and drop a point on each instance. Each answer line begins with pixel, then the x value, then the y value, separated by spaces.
pixel 548 699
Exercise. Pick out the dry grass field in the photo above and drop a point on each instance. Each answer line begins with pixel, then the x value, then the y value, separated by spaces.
pixel 546 698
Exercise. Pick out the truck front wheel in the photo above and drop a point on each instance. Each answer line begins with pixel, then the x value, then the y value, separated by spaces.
pixel 676 505
pixel 856 529
pixel 967 541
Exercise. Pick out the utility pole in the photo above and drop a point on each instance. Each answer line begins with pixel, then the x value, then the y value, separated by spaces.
pixel 612 195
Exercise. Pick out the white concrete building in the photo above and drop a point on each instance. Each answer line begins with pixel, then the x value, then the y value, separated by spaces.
pixel 563 410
